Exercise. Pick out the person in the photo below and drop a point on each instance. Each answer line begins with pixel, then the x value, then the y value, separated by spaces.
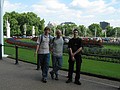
pixel 75 48
pixel 43 52
pixel 57 52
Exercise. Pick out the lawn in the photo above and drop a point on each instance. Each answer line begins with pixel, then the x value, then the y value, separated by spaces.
pixel 89 66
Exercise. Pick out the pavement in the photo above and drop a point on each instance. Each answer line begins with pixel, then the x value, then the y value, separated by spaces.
pixel 24 77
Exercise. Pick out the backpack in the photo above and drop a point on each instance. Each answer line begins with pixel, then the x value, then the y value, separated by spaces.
pixel 41 39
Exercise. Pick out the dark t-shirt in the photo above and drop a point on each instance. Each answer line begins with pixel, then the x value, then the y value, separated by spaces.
pixel 75 44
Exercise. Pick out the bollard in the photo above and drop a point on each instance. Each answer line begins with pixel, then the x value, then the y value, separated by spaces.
pixel 0 51
pixel 16 49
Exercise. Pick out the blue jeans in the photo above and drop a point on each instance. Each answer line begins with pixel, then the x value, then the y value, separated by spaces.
pixel 56 63
pixel 44 60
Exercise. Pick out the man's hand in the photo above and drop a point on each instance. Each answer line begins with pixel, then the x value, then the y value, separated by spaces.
pixel 73 59
pixel 35 53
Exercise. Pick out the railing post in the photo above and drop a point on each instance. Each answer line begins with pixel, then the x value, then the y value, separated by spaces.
pixel 16 49
pixel 0 51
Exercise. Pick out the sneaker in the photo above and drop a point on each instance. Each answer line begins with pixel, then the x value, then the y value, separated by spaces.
pixel 56 78
pixel 77 82
pixel 68 81
pixel 44 80
pixel 52 75
pixel 37 68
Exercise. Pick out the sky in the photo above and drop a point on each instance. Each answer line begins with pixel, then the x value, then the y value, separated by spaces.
pixel 81 12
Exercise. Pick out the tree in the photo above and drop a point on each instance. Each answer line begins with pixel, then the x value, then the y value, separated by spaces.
pixel 17 20
pixel 117 31
pixel 110 31
pixel 92 28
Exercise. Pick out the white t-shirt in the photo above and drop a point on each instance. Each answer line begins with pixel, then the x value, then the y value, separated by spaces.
pixel 44 45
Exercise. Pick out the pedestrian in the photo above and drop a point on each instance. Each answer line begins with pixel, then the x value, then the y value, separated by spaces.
pixel 75 48
pixel 43 52
pixel 57 52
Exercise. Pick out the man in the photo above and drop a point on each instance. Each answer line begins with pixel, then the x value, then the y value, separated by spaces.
pixel 57 52
pixel 75 48
pixel 43 53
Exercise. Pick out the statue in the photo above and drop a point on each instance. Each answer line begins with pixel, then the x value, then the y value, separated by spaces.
pixel 8 28
pixel 33 31
pixel 25 29
pixel 63 31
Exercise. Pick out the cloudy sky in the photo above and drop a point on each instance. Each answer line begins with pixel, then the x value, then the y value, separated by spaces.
pixel 81 12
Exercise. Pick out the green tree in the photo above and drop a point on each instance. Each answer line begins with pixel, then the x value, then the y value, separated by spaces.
pixel 17 20
pixel 92 28
pixel 110 31
pixel 117 31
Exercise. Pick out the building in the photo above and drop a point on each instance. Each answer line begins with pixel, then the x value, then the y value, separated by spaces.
pixel 104 25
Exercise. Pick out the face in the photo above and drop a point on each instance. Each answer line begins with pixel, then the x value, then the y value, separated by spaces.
pixel 47 31
pixel 75 33
pixel 58 33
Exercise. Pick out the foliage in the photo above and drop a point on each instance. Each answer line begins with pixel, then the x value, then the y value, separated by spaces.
pixel 110 31
pixel 17 20
pixel 117 31
pixel 96 27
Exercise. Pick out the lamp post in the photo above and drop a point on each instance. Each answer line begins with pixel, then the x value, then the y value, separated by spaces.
pixel 1 26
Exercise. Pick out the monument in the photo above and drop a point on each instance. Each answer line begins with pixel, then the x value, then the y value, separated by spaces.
pixel 33 31
pixel 63 31
pixel 8 29
pixel 25 29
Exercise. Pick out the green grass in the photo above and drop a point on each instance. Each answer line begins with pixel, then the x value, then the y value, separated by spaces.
pixel 89 66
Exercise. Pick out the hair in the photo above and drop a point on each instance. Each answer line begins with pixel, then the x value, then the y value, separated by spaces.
pixel 75 30
pixel 47 28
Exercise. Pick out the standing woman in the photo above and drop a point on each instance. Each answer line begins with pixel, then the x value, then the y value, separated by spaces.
pixel 75 48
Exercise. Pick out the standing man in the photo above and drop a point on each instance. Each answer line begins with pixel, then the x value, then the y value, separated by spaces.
pixel 57 52
pixel 43 53
pixel 75 48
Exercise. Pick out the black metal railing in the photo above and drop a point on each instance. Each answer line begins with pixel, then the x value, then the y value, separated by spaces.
pixel 84 54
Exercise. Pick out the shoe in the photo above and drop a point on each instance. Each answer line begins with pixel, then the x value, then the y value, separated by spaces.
pixel 38 69
pixel 52 75
pixel 44 80
pixel 56 78
pixel 68 81
pixel 77 82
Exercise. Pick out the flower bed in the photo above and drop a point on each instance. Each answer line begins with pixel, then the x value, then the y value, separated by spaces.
pixel 17 41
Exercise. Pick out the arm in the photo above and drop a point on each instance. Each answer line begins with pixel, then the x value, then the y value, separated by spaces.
pixel 71 54
pixel 80 49
pixel 37 48
pixel 38 45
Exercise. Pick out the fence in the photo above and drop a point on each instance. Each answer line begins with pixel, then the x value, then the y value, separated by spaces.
pixel 89 54
pixel 22 53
